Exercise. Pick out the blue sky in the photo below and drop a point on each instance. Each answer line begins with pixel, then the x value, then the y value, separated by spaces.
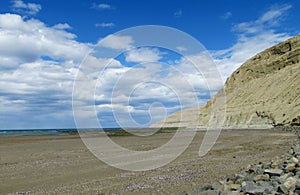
pixel 43 43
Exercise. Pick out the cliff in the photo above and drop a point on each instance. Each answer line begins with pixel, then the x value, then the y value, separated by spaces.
pixel 263 92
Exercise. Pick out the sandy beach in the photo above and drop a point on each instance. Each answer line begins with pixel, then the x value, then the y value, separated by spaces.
pixel 63 165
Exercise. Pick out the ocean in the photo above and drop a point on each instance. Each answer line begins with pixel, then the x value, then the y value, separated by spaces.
pixel 33 132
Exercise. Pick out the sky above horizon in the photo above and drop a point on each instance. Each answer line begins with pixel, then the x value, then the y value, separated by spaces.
pixel 45 43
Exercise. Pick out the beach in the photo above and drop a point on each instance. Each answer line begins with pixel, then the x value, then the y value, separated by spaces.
pixel 61 164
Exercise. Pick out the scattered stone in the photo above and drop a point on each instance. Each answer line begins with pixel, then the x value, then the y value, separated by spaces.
pixel 247 186
pixel 290 183
pixel 255 169
pixel 296 149
pixel 274 165
pixel 234 186
pixel 294 160
pixel 285 176
pixel 297 187
pixel 261 178
pixel 273 172
pixel 257 190
pixel 290 167
pixel 283 189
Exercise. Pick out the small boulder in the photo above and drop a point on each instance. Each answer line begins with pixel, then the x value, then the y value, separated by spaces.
pixel 290 183
pixel 261 178
pixel 248 187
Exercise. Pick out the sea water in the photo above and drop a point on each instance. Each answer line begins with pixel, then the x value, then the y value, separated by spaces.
pixel 35 132
pixel 32 132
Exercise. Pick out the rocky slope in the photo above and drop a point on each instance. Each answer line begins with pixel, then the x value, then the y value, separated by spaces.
pixel 263 92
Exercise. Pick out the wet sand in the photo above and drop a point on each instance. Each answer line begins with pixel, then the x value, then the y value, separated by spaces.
pixel 63 165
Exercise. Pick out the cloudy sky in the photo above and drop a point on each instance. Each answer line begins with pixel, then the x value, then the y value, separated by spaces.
pixel 54 55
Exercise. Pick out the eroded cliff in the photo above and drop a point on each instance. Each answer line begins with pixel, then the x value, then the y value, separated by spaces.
pixel 263 92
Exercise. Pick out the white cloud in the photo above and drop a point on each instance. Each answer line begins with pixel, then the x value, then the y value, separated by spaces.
pixel 274 15
pixel 54 42
pixel 117 42
pixel 143 54
pixel 200 72
pixel 40 90
pixel 130 91
pixel 102 6
pixel 92 64
pixel 27 8
pixel 37 67
pixel 63 26
pixel 36 77
pixel 105 25
pixel 265 22
pixel 253 37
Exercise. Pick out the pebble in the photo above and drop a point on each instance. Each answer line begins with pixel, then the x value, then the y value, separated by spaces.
pixel 279 176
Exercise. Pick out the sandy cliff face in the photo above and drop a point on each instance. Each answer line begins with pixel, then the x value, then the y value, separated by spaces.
pixel 263 92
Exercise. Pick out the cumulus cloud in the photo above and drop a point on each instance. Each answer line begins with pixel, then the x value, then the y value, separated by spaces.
pixel 63 26
pixel 143 55
pixel 37 67
pixel 201 71
pixel 34 77
pixel 26 8
pixel 127 92
pixel 117 42
pixel 36 94
pixel 55 42
pixel 122 92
